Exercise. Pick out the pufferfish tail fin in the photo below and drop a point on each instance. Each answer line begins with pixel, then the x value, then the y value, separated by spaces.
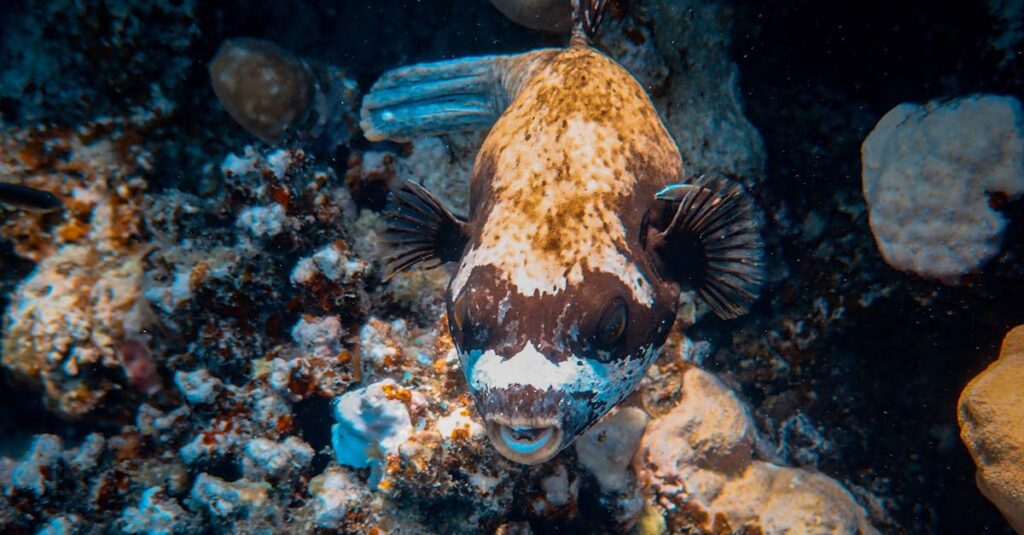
pixel 419 229
pixel 444 97
pixel 713 243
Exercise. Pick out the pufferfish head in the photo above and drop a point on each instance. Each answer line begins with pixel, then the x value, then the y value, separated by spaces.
pixel 545 367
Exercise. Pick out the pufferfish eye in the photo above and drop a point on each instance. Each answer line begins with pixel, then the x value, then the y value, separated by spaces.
pixel 612 326
pixel 467 333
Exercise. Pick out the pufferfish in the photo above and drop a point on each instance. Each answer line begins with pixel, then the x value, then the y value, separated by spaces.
pixel 582 230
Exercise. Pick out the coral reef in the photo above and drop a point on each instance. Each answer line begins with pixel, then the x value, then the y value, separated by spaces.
pixel 76 326
pixel 930 176
pixel 67 61
pixel 177 341
pixel 991 415
pixel 702 105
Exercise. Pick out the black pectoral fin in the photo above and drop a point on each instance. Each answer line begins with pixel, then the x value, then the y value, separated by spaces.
pixel 419 229
pixel 713 244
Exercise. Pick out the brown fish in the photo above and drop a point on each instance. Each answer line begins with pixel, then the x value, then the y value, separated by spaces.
pixel 583 228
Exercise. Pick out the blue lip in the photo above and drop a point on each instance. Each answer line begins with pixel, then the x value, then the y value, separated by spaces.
pixel 525 448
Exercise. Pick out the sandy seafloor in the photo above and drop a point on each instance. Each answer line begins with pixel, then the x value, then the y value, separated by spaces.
pixel 160 332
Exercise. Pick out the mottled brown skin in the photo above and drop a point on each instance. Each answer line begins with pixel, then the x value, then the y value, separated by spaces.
pixel 563 189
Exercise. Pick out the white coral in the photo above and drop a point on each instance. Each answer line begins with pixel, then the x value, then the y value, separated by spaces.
pixel 928 173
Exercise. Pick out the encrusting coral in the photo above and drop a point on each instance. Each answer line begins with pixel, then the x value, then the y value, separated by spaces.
pixel 76 325
pixel 991 415
pixel 699 459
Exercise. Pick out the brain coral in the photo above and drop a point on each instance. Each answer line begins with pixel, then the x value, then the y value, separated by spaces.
pixel 930 173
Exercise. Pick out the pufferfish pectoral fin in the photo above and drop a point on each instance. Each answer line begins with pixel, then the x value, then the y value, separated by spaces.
pixel 443 97
pixel 713 244
pixel 419 229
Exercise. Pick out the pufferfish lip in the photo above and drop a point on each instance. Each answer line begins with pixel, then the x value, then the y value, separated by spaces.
pixel 524 442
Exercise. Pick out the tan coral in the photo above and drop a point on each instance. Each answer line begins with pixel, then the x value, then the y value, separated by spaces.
pixel 69 320
pixel 74 326
pixel 699 459
pixel 991 415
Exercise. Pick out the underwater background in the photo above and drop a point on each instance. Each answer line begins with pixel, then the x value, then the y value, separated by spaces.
pixel 177 333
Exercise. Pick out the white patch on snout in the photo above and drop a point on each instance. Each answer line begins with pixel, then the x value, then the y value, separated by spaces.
pixel 608 382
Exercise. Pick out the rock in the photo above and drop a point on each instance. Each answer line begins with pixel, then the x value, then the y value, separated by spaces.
pixel 784 500
pixel 547 15
pixel 929 176
pixel 700 457
pixel 155 514
pixel 335 492
pixel 608 447
pixel 38 470
pixel 79 308
pixel 318 336
pixel 63 525
pixel 372 423
pixel 86 457
pixel 459 426
pixel 332 263
pixel 263 221
pixel 702 105
pixel 274 94
pixel 198 387
pixel 556 487
pixel 265 458
pixel 991 415
pixel 242 499
pixel 709 429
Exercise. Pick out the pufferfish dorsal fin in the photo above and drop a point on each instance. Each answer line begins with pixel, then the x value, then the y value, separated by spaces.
pixel 713 244
pixel 586 18
pixel 419 229
pixel 444 97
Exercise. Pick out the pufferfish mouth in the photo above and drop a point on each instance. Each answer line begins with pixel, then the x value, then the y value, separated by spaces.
pixel 525 442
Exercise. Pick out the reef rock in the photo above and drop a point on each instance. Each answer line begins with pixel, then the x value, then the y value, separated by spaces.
pixel 608 447
pixel 931 174
pixel 548 15
pixel 78 314
pixel 372 422
pixel 274 94
pixel 700 462
pixel 334 494
pixel 991 414
pixel 702 104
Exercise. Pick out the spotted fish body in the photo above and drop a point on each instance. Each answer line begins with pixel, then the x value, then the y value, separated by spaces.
pixel 558 195
pixel 567 274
